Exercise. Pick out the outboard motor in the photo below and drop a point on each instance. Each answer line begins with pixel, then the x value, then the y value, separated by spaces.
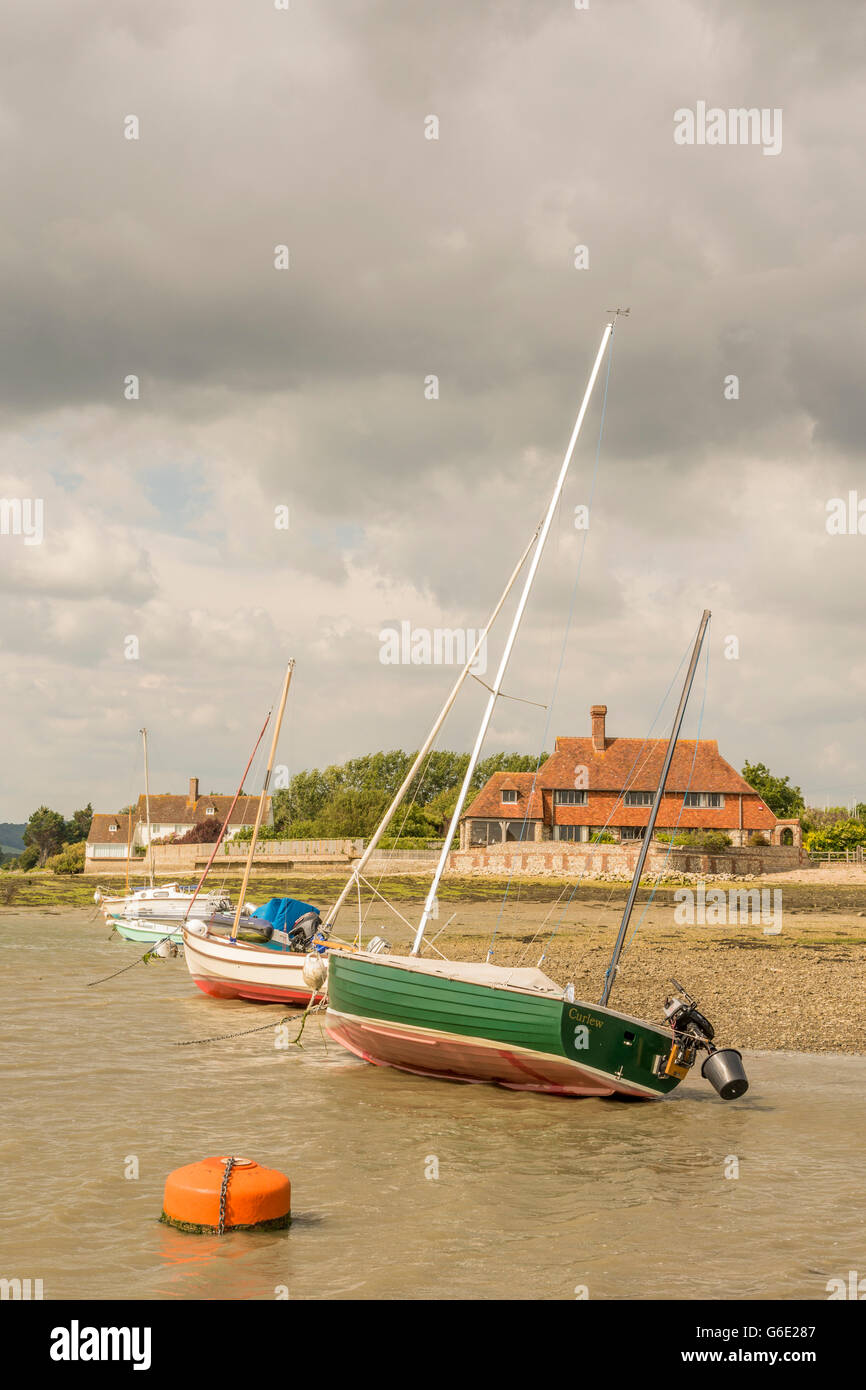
pixel 300 934
pixel 723 1068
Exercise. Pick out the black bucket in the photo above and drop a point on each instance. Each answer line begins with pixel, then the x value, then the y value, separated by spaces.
pixel 724 1070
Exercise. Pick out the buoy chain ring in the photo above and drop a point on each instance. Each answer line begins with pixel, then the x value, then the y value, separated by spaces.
pixel 230 1163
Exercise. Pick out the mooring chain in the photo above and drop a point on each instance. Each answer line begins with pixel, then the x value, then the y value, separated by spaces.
pixel 221 1037
pixel 230 1163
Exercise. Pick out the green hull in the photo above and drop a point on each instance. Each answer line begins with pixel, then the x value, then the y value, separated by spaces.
pixel 148 933
pixel 401 1016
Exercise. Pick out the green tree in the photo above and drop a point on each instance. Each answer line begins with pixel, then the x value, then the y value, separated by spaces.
pixel 506 762
pixel 348 799
pixel 353 811
pixel 28 860
pixel 783 800
pixel 69 861
pixel 78 828
pixel 846 834
pixel 45 832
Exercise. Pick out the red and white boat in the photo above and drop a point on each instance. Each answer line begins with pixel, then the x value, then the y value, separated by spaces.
pixel 266 974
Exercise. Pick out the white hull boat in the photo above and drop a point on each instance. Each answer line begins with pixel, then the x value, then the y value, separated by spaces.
pixel 171 900
pixel 228 969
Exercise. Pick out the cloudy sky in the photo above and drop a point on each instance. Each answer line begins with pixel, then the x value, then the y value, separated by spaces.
pixel 412 257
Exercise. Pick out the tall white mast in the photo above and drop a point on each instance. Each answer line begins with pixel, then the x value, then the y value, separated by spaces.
pixel 147 807
pixel 428 742
pixel 430 902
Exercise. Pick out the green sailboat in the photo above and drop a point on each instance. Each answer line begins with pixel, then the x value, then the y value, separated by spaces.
pixel 511 1026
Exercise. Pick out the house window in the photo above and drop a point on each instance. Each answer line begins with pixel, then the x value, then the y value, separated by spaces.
pixel 520 830
pixel 571 832
pixel 632 832
pixel 112 828
pixel 210 811
pixel 509 796
pixel 638 798
pixel 567 796
pixel 705 800
pixel 485 832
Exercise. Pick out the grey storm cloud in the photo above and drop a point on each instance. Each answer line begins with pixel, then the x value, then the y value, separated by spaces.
pixel 410 258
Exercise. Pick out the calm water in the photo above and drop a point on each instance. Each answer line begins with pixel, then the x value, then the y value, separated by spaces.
pixel 535 1195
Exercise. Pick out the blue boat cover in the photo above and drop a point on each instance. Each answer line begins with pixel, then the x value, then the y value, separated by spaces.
pixel 283 913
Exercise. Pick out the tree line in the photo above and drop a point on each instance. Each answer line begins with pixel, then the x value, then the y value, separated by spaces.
pixel 831 828
pixel 49 836
pixel 348 800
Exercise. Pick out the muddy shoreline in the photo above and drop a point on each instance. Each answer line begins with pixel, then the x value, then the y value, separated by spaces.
pixel 801 990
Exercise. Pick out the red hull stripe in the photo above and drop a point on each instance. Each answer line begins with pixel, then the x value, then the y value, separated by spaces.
pixel 258 994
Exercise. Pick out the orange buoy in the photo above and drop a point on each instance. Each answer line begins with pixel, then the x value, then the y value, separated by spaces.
pixel 222 1194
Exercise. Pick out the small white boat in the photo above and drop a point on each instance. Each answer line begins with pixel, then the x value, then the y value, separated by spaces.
pixel 169 900
pixel 271 974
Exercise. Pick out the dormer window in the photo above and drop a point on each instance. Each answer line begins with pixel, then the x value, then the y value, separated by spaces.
pixel 113 827
pixel 509 796
pixel 211 811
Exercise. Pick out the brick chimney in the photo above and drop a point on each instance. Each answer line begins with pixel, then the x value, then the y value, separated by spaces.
pixel 597 714
pixel 193 787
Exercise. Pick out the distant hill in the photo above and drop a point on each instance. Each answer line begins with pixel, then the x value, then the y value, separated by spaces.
pixel 11 841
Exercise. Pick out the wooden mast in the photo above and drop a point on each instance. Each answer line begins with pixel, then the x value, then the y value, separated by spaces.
pixel 430 902
pixel 610 976
pixel 147 808
pixel 262 799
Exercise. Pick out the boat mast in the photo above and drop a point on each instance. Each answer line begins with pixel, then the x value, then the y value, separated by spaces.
pixel 147 807
pixel 225 825
pixel 428 742
pixel 645 843
pixel 430 902
pixel 262 799
pixel 128 846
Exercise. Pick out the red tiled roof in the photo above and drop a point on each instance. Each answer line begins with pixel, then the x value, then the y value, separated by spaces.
pixel 626 764
pixel 637 763
pixel 489 801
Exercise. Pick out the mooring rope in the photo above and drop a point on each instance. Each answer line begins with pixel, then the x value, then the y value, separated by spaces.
pixel 146 957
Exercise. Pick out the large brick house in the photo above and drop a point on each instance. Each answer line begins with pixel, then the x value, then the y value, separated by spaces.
pixel 599 783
